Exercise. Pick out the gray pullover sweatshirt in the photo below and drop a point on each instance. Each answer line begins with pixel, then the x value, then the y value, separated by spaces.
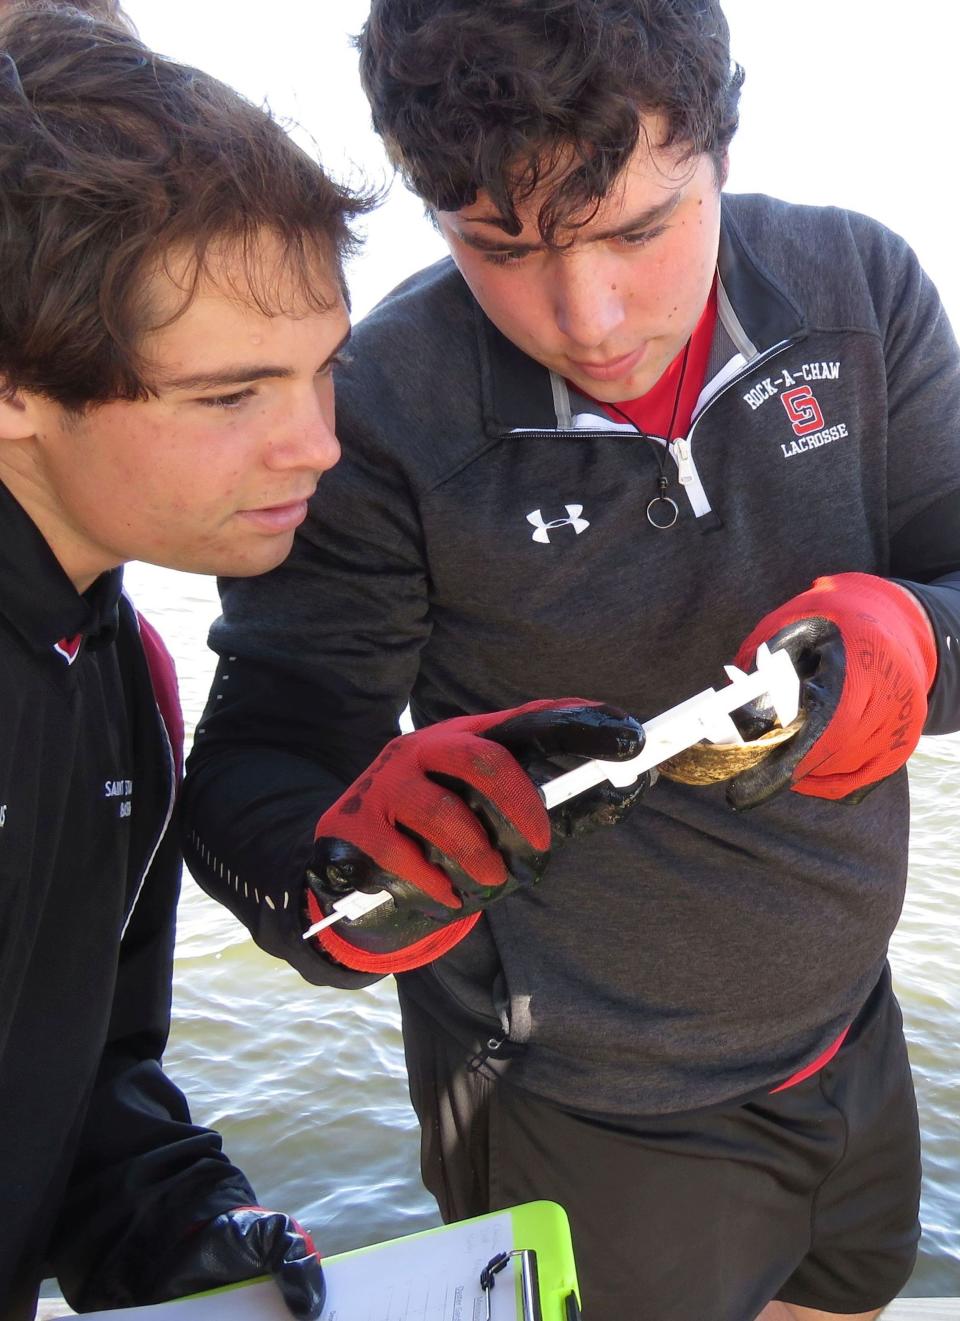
pixel 691 955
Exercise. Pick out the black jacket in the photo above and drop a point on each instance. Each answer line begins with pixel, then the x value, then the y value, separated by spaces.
pixel 100 1167
pixel 690 955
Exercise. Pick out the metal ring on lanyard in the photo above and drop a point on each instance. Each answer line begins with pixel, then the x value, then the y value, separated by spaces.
pixel 670 515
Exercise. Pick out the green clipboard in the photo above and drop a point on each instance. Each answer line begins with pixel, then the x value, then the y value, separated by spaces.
pixel 541 1233
pixel 437 1273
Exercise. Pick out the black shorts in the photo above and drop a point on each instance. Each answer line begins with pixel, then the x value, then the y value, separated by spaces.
pixel 810 1195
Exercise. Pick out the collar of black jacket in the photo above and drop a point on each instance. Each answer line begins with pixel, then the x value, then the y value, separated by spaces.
pixel 518 393
pixel 37 597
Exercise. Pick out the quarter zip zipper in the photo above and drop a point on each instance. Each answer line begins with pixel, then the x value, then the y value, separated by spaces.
pixel 680 450
pixel 686 473
pixel 758 361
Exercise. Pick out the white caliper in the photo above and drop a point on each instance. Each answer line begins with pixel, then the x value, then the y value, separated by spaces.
pixel 707 716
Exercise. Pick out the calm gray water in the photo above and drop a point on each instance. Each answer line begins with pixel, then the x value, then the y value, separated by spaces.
pixel 308 1085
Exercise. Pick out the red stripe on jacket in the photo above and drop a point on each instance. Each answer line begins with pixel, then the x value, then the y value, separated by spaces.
pixel 163 674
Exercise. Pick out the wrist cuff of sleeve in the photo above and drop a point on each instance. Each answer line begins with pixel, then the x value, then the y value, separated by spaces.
pixel 941 600
pixel 408 957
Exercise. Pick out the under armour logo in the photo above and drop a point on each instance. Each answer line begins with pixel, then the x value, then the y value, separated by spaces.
pixel 573 520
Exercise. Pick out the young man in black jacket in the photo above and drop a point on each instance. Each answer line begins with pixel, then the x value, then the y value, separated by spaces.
pixel 633 429
pixel 172 303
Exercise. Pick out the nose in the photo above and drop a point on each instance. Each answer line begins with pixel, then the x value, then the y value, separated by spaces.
pixel 588 304
pixel 307 439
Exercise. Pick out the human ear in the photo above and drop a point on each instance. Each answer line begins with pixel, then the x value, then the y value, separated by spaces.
pixel 17 420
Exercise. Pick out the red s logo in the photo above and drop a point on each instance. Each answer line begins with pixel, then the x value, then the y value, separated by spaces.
pixel 802 410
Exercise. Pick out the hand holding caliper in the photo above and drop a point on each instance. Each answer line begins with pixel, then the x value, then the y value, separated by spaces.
pixel 708 716
pixel 447 821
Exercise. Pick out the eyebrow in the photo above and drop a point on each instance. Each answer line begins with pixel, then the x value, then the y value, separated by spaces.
pixel 652 216
pixel 242 373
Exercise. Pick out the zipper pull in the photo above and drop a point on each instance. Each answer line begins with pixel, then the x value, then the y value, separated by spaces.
pixel 681 452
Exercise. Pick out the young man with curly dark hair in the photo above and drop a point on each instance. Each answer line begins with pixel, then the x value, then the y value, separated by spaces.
pixel 633 429
pixel 172 303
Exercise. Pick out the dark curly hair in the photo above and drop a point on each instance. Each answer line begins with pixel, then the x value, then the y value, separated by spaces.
pixel 107 10
pixel 508 95
pixel 112 159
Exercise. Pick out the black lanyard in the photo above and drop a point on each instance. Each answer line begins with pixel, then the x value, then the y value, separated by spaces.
pixel 662 510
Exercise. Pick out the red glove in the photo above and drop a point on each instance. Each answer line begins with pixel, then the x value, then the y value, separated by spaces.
pixel 447 821
pixel 866 656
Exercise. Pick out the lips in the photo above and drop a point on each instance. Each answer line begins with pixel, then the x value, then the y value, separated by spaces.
pixel 277 518
pixel 610 369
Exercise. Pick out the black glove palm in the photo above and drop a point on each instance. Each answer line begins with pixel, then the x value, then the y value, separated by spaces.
pixel 240 1245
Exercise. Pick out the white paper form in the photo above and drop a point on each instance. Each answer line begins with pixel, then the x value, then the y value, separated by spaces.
pixel 433 1277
